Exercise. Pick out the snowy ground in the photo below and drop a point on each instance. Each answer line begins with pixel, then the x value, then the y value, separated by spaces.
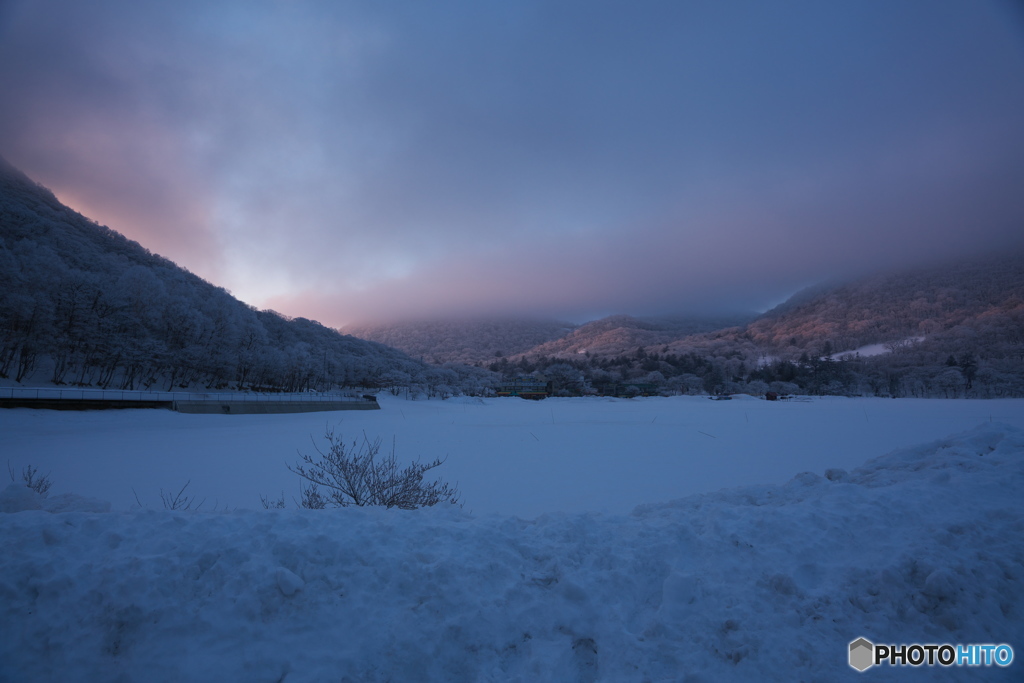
pixel 759 582
pixel 509 456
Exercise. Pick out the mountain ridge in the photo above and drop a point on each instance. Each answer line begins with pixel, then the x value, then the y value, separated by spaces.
pixel 82 304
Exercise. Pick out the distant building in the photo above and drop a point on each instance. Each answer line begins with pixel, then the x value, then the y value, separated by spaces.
pixel 524 387
pixel 630 389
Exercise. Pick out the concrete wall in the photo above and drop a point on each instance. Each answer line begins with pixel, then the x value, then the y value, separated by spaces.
pixel 75 404
pixel 265 407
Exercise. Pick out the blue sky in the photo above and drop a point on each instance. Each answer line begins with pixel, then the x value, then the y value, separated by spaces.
pixel 347 161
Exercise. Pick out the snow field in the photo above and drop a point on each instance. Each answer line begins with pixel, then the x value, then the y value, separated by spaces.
pixel 767 582
pixel 509 456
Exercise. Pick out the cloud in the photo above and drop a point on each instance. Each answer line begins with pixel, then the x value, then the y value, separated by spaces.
pixel 351 160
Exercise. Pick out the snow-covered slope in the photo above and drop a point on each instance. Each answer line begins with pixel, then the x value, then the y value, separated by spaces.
pixel 765 583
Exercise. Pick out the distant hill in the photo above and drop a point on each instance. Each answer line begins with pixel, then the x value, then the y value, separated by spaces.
pixel 622 334
pixel 484 340
pixel 463 341
pixel 947 330
pixel 954 329
pixel 81 304
pixel 982 298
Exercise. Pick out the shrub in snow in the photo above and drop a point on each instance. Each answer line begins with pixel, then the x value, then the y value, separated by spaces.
pixel 179 501
pixel 354 474
pixel 836 474
pixel 272 504
pixel 30 478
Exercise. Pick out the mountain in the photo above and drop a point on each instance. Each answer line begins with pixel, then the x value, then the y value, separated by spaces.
pixel 620 334
pixel 484 340
pixel 948 330
pixel 463 341
pixel 81 304
pixel 952 329
pixel 982 298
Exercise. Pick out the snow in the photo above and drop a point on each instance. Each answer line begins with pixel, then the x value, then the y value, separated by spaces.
pixel 866 351
pixel 878 349
pixel 755 581
pixel 509 456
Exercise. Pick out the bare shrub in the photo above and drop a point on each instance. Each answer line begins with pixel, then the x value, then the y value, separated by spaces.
pixel 179 501
pixel 311 498
pixel 356 474
pixel 272 504
pixel 30 477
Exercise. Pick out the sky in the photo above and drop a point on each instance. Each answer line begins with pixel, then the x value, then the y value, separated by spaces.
pixel 376 160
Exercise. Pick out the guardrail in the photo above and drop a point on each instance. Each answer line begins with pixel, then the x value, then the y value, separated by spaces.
pixel 55 394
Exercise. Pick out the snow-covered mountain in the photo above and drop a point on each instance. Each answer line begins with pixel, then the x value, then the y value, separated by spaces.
pixel 484 340
pixel 623 334
pixel 82 304
pixel 982 298
pixel 463 341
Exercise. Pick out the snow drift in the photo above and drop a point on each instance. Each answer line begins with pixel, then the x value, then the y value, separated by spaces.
pixel 755 583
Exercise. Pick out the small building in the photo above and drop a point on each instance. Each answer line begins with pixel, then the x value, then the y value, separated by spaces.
pixel 524 387
pixel 630 389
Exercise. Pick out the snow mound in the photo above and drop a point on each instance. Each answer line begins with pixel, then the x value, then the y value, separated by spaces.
pixel 17 498
pixel 758 583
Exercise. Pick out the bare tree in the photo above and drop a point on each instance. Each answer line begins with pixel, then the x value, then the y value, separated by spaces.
pixel 356 474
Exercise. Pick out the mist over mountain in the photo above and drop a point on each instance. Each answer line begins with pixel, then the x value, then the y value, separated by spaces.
pixel 977 297
pixel 465 340
pixel 481 340
pixel 619 334
pixel 953 329
pixel 950 329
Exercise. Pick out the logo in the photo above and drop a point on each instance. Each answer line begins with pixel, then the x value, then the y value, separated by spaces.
pixel 864 654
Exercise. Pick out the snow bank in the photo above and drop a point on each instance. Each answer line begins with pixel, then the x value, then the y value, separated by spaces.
pixel 756 583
